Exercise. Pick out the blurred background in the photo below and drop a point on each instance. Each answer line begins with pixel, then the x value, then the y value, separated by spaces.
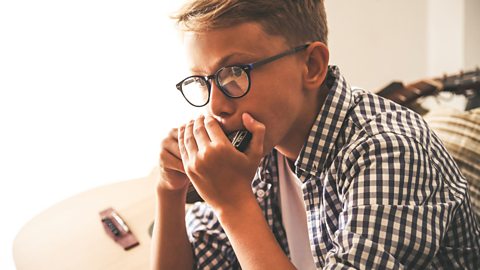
pixel 87 87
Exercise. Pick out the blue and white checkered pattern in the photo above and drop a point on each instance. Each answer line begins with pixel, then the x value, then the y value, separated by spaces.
pixel 380 192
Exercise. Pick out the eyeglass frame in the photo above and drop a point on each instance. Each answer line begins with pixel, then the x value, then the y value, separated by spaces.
pixel 246 67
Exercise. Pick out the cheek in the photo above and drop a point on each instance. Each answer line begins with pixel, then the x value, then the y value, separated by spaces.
pixel 278 114
pixel 276 103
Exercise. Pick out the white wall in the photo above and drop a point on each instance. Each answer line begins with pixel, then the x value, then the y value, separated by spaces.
pixel 375 41
pixel 86 87
pixel 446 36
pixel 472 34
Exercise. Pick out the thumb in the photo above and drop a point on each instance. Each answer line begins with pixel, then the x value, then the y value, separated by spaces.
pixel 258 134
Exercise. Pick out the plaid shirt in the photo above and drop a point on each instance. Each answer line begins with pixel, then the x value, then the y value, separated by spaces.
pixel 379 188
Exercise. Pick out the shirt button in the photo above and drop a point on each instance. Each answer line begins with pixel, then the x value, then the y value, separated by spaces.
pixel 260 193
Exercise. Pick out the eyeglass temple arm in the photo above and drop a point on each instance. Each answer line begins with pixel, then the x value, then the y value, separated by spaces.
pixel 278 56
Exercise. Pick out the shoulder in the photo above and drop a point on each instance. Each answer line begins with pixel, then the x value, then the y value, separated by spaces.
pixel 374 115
pixel 381 128
pixel 393 152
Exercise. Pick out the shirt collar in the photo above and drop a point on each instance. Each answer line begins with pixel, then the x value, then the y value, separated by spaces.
pixel 327 125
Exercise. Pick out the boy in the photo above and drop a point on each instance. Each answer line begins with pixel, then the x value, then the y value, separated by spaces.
pixel 341 178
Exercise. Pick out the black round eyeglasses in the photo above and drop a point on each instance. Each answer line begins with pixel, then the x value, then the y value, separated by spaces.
pixel 233 81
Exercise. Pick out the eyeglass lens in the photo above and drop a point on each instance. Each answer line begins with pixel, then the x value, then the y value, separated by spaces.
pixel 195 90
pixel 233 81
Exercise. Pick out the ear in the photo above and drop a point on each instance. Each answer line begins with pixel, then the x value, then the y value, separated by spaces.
pixel 316 65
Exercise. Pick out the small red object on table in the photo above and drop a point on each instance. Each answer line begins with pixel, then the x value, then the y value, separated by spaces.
pixel 117 229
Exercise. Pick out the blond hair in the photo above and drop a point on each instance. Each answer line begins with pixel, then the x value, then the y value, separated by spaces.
pixel 298 21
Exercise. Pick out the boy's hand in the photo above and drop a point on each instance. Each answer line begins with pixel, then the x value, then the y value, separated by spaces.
pixel 172 174
pixel 221 174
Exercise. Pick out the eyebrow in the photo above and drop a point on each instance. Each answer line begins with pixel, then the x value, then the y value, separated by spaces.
pixel 224 61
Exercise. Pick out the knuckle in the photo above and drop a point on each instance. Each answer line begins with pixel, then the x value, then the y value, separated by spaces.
pixel 217 149
pixel 164 161
pixel 163 151
pixel 173 132
pixel 200 165
pixel 180 131
pixel 214 147
pixel 198 128
pixel 163 155
pixel 261 128
pixel 204 155
pixel 161 165
pixel 196 163
pixel 163 144
pixel 191 167
pixel 188 139
pixel 210 122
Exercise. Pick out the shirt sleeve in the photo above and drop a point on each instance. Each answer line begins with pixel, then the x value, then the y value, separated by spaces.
pixel 396 206
pixel 211 247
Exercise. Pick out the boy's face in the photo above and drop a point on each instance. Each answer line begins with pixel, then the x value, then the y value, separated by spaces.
pixel 276 94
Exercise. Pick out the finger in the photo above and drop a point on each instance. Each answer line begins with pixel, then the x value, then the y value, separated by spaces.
pixel 173 134
pixel 200 133
pixel 214 130
pixel 258 134
pixel 181 145
pixel 189 140
pixel 170 144
pixel 173 148
pixel 171 162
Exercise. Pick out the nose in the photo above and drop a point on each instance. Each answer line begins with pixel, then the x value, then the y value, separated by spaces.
pixel 220 104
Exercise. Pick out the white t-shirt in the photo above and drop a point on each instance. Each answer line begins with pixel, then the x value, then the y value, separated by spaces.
pixel 294 216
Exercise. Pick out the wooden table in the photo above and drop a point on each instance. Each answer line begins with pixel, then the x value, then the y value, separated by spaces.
pixel 70 235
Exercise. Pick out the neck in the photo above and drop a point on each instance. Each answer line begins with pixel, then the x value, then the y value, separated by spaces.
pixel 292 144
